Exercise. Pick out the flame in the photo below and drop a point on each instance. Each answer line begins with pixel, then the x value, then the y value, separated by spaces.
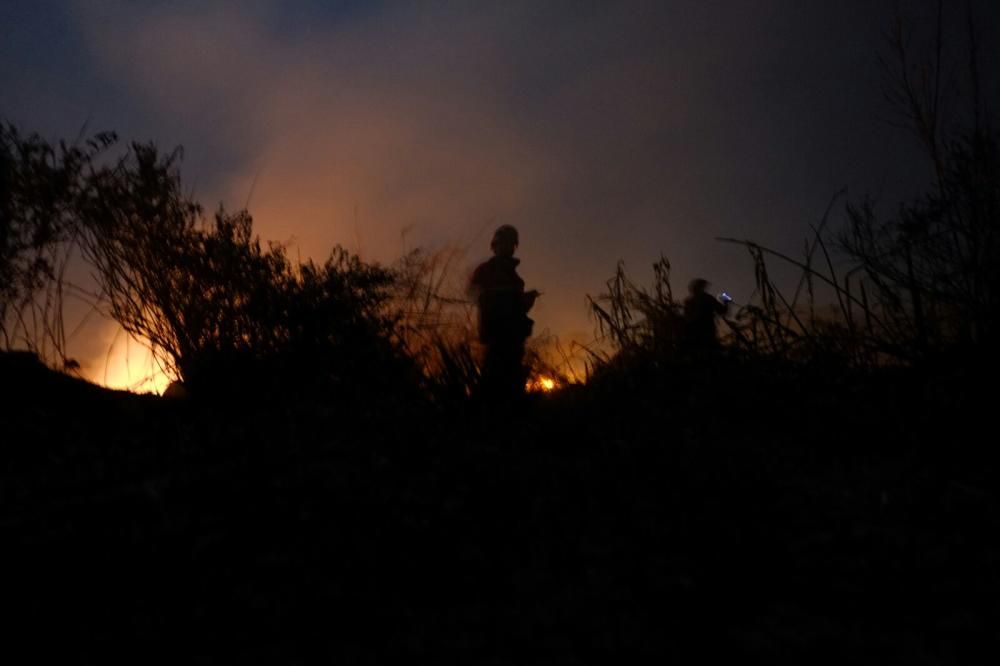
pixel 541 384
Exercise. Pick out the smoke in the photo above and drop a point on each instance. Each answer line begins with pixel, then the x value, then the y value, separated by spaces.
pixel 602 131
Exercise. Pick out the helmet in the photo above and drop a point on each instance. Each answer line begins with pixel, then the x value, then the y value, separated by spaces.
pixel 504 234
pixel 697 285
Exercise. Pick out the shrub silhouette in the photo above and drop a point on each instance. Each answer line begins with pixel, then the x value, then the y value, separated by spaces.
pixel 932 268
pixel 40 186
pixel 221 310
pixel 215 303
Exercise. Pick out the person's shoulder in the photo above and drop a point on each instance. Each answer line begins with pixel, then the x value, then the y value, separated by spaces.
pixel 482 272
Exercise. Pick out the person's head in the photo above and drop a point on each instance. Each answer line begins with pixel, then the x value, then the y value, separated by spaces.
pixel 697 286
pixel 504 241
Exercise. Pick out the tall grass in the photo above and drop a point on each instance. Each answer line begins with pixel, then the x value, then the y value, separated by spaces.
pixel 437 321
pixel 634 322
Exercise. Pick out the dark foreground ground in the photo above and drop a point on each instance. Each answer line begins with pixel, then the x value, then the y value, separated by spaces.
pixel 780 517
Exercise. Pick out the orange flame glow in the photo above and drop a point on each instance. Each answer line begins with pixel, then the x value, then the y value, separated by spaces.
pixel 129 366
pixel 541 384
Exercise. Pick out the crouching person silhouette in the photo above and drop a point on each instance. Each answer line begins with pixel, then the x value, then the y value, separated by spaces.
pixel 504 325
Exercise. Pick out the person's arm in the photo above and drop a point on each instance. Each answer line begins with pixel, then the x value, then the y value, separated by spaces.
pixel 529 298
pixel 475 287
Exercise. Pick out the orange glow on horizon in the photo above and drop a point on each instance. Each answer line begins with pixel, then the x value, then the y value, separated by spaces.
pixel 129 366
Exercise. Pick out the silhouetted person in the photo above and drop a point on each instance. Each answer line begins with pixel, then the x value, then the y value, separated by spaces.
pixel 700 311
pixel 504 324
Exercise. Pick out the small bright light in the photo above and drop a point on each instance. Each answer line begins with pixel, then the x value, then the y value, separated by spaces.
pixel 541 384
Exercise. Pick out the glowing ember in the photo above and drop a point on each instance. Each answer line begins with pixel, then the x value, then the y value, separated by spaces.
pixel 541 384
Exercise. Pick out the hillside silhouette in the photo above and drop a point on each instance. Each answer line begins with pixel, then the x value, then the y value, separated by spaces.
pixel 755 513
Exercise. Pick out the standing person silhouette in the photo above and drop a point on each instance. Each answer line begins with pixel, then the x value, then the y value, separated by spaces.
pixel 700 311
pixel 504 325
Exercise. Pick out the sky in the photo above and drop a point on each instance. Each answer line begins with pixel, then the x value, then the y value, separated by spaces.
pixel 602 131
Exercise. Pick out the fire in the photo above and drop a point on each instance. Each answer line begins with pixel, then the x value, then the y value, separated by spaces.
pixel 541 384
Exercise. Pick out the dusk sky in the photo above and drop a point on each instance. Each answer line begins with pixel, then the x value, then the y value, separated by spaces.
pixel 603 131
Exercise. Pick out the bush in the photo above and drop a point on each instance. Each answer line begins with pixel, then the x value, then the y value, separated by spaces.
pixel 222 311
pixel 39 188
pixel 933 267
